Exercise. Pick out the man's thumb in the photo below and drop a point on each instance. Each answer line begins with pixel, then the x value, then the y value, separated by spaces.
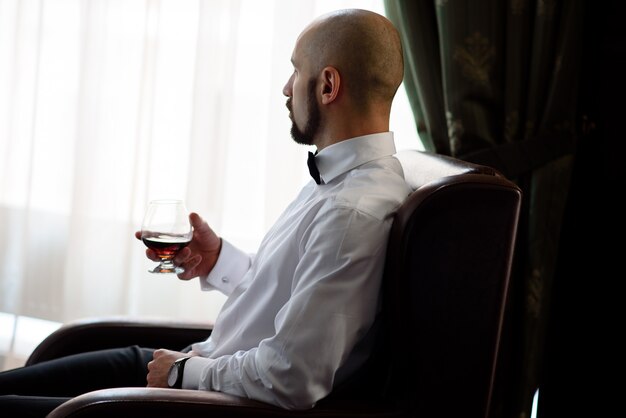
pixel 199 225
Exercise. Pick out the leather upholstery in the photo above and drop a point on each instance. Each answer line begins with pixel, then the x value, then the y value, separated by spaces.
pixel 102 333
pixel 444 291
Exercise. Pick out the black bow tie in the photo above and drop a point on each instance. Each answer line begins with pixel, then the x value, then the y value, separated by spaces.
pixel 315 173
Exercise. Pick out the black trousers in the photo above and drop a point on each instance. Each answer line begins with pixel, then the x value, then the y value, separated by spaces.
pixel 36 390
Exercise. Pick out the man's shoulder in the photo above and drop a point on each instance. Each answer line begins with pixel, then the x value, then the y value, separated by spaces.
pixel 377 188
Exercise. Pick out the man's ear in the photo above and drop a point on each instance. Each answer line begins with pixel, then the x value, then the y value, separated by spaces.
pixel 331 81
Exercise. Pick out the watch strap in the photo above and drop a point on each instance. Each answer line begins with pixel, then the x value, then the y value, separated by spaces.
pixel 180 365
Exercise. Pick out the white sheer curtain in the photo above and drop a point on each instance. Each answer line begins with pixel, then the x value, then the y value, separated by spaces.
pixel 105 105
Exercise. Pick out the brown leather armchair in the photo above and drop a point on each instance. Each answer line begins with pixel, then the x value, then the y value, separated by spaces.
pixel 444 291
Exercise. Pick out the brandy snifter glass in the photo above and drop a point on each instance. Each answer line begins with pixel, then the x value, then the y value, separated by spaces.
pixel 166 230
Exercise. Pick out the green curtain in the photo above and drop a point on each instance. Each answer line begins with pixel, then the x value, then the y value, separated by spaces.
pixel 495 82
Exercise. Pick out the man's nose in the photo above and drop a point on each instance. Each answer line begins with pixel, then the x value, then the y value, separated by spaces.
pixel 287 90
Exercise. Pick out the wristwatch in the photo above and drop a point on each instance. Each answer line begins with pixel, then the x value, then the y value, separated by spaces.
pixel 175 375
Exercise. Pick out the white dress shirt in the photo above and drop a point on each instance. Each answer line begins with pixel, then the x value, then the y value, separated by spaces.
pixel 298 311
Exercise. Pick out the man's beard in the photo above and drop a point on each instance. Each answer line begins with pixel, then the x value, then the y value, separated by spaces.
pixel 306 136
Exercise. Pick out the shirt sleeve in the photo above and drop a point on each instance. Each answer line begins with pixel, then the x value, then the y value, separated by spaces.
pixel 229 270
pixel 332 306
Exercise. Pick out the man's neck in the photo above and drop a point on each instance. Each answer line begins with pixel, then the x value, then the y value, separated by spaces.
pixel 343 121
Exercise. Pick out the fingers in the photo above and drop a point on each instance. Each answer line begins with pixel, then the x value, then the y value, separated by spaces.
pixel 188 261
pixel 152 255
pixel 189 265
pixel 149 253
pixel 182 256
pixel 158 368
pixel 184 259
pixel 158 353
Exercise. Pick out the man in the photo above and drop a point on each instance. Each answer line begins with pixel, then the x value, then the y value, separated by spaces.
pixel 299 317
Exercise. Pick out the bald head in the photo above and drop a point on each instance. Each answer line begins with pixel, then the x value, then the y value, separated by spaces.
pixel 364 47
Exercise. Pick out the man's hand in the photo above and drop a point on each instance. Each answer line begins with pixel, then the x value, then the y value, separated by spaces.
pixel 159 367
pixel 199 257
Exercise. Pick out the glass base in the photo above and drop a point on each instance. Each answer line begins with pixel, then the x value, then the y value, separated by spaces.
pixel 167 269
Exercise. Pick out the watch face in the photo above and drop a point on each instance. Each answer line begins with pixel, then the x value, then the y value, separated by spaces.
pixel 173 375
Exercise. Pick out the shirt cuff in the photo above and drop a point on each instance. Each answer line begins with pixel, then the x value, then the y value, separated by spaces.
pixel 232 264
pixel 193 372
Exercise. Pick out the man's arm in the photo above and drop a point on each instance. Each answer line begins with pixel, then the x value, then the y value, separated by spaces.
pixel 332 306
pixel 203 257
pixel 203 254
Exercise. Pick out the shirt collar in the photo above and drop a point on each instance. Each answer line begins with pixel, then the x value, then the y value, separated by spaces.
pixel 345 155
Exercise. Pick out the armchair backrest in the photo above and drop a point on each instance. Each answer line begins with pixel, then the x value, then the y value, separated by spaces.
pixel 445 283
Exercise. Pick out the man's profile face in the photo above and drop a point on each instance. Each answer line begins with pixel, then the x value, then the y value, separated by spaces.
pixel 304 111
pixel 306 136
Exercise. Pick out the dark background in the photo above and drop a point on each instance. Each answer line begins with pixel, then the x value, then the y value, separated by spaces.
pixel 581 372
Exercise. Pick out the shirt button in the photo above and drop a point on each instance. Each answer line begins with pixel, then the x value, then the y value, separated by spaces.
pixel 224 279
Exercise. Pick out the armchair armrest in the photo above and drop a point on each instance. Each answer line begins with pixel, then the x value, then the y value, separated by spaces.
pixel 156 403
pixel 102 333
